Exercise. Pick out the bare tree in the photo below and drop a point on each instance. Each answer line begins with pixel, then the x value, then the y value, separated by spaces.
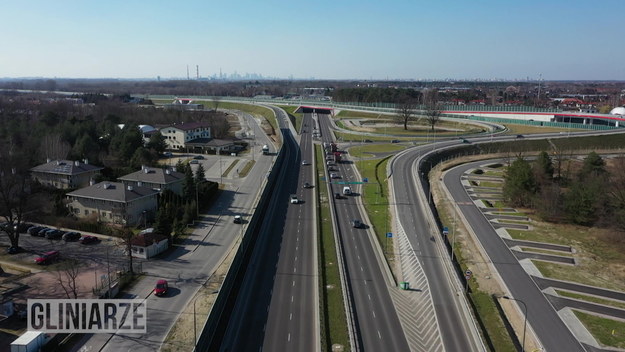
pixel 126 235
pixel 54 147
pixel 66 277
pixel 433 111
pixel 216 101
pixel 405 112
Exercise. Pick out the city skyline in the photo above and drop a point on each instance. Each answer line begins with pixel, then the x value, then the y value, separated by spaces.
pixel 397 40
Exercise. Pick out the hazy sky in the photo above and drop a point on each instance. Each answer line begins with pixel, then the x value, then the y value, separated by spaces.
pixel 338 39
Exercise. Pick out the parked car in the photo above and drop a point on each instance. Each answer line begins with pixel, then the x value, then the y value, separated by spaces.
pixel 198 157
pixel 357 224
pixel 161 287
pixel 48 257
pixel 86 239
pixel 71 236
pixel 194 162
pixel 237 219
pixel 54 234
pixel 293 199
pixel 167 154
pixel 14 250
pixel 23 227
pixel 42 232
pixel 33 231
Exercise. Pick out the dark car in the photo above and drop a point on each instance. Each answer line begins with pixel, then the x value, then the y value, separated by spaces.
pixel 368 141
pixel 161 287
pixel 86 239
pixel 23 227
pixel 395 141
pixel 33 231
pixel 198 157
pixel 338 196
pixel 47 257
pixel 42 232
pixel 54 234
pixel 465 141
pixel 14 250
pixel 71 236
pixel 307 185
pixel 357 224
pixel 520 136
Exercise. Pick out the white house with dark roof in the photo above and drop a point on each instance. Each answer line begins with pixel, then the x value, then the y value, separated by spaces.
pixel 114 202
pixel 178 135
pixel 156 178
pixel 65 174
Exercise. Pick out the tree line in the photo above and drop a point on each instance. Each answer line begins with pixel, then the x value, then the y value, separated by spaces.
pixel 590 195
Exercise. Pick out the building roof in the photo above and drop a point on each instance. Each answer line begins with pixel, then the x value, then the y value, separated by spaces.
pixel 187 126
pixel 65 167
pixel 113 191
pixel 147 239
pixel 154 175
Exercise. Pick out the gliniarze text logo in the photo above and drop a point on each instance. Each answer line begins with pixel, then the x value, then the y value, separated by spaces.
pixel 87 315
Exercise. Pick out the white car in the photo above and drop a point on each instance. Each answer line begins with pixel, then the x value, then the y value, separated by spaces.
pixel 293 199
pixel 334 175
pixel 304 162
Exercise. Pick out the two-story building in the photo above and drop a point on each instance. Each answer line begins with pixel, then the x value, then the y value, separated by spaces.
pixel 155 178
pixel 114 202
pixel 65 174
pixel 178 135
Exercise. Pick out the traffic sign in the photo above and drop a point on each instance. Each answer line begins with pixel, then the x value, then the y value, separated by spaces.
pixel 389 234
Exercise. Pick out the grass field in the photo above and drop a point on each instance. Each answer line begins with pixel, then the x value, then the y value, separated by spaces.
pixel 607 331
pixel 594 299
pixel 371 150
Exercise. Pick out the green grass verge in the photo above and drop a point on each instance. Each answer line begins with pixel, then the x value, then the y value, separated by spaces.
pixel 297 117
pixel 492 321
pixel 375 199
pixel 566 273
pixel 490 184
pixel 365 150
pixel 360 114
pixel 525 235
pixel 607 331
pixel 232 164
pixel 352 137
pixel 594 299
pixel 333 320
pixel 246 169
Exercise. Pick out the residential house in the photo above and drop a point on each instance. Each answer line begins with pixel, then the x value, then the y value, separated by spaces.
pixel 65 174
pixel 148 244
pixel 114 202
pixel 155 178
pixel 177 136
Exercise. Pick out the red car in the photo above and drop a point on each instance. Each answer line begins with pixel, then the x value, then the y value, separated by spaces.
pixel 161 288
pixel 47 257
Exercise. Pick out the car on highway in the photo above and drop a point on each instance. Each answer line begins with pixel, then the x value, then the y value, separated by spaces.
pixel 161 287
pixel 334 175
pixel 395 141
pixel 48 257
pixel 465 141
pixel 357 224
pixel 520 136
pixel 307 185
pixel 337 195
pixel 87 239
pixel 304 162
pixel 332 168
pixel 237 219
pixel 293 199
pixel 71 236
pixel 368 141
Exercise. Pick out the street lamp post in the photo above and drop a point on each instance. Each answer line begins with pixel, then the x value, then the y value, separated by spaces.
pixel 524 324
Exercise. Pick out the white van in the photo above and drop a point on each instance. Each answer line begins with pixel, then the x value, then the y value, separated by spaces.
pixel 347 191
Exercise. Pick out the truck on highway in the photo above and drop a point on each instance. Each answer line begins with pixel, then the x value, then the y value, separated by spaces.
pixel 265 149
pixel 337 157
pixel 30 341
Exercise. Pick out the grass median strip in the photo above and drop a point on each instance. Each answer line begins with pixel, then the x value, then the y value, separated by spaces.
pixel 593 299
pixel 608 332
pixel 333 320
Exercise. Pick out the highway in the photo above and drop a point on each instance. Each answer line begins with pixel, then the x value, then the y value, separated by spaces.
pixel 276 309
pixel 377 325
pixel 550 329
pixel 454 328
